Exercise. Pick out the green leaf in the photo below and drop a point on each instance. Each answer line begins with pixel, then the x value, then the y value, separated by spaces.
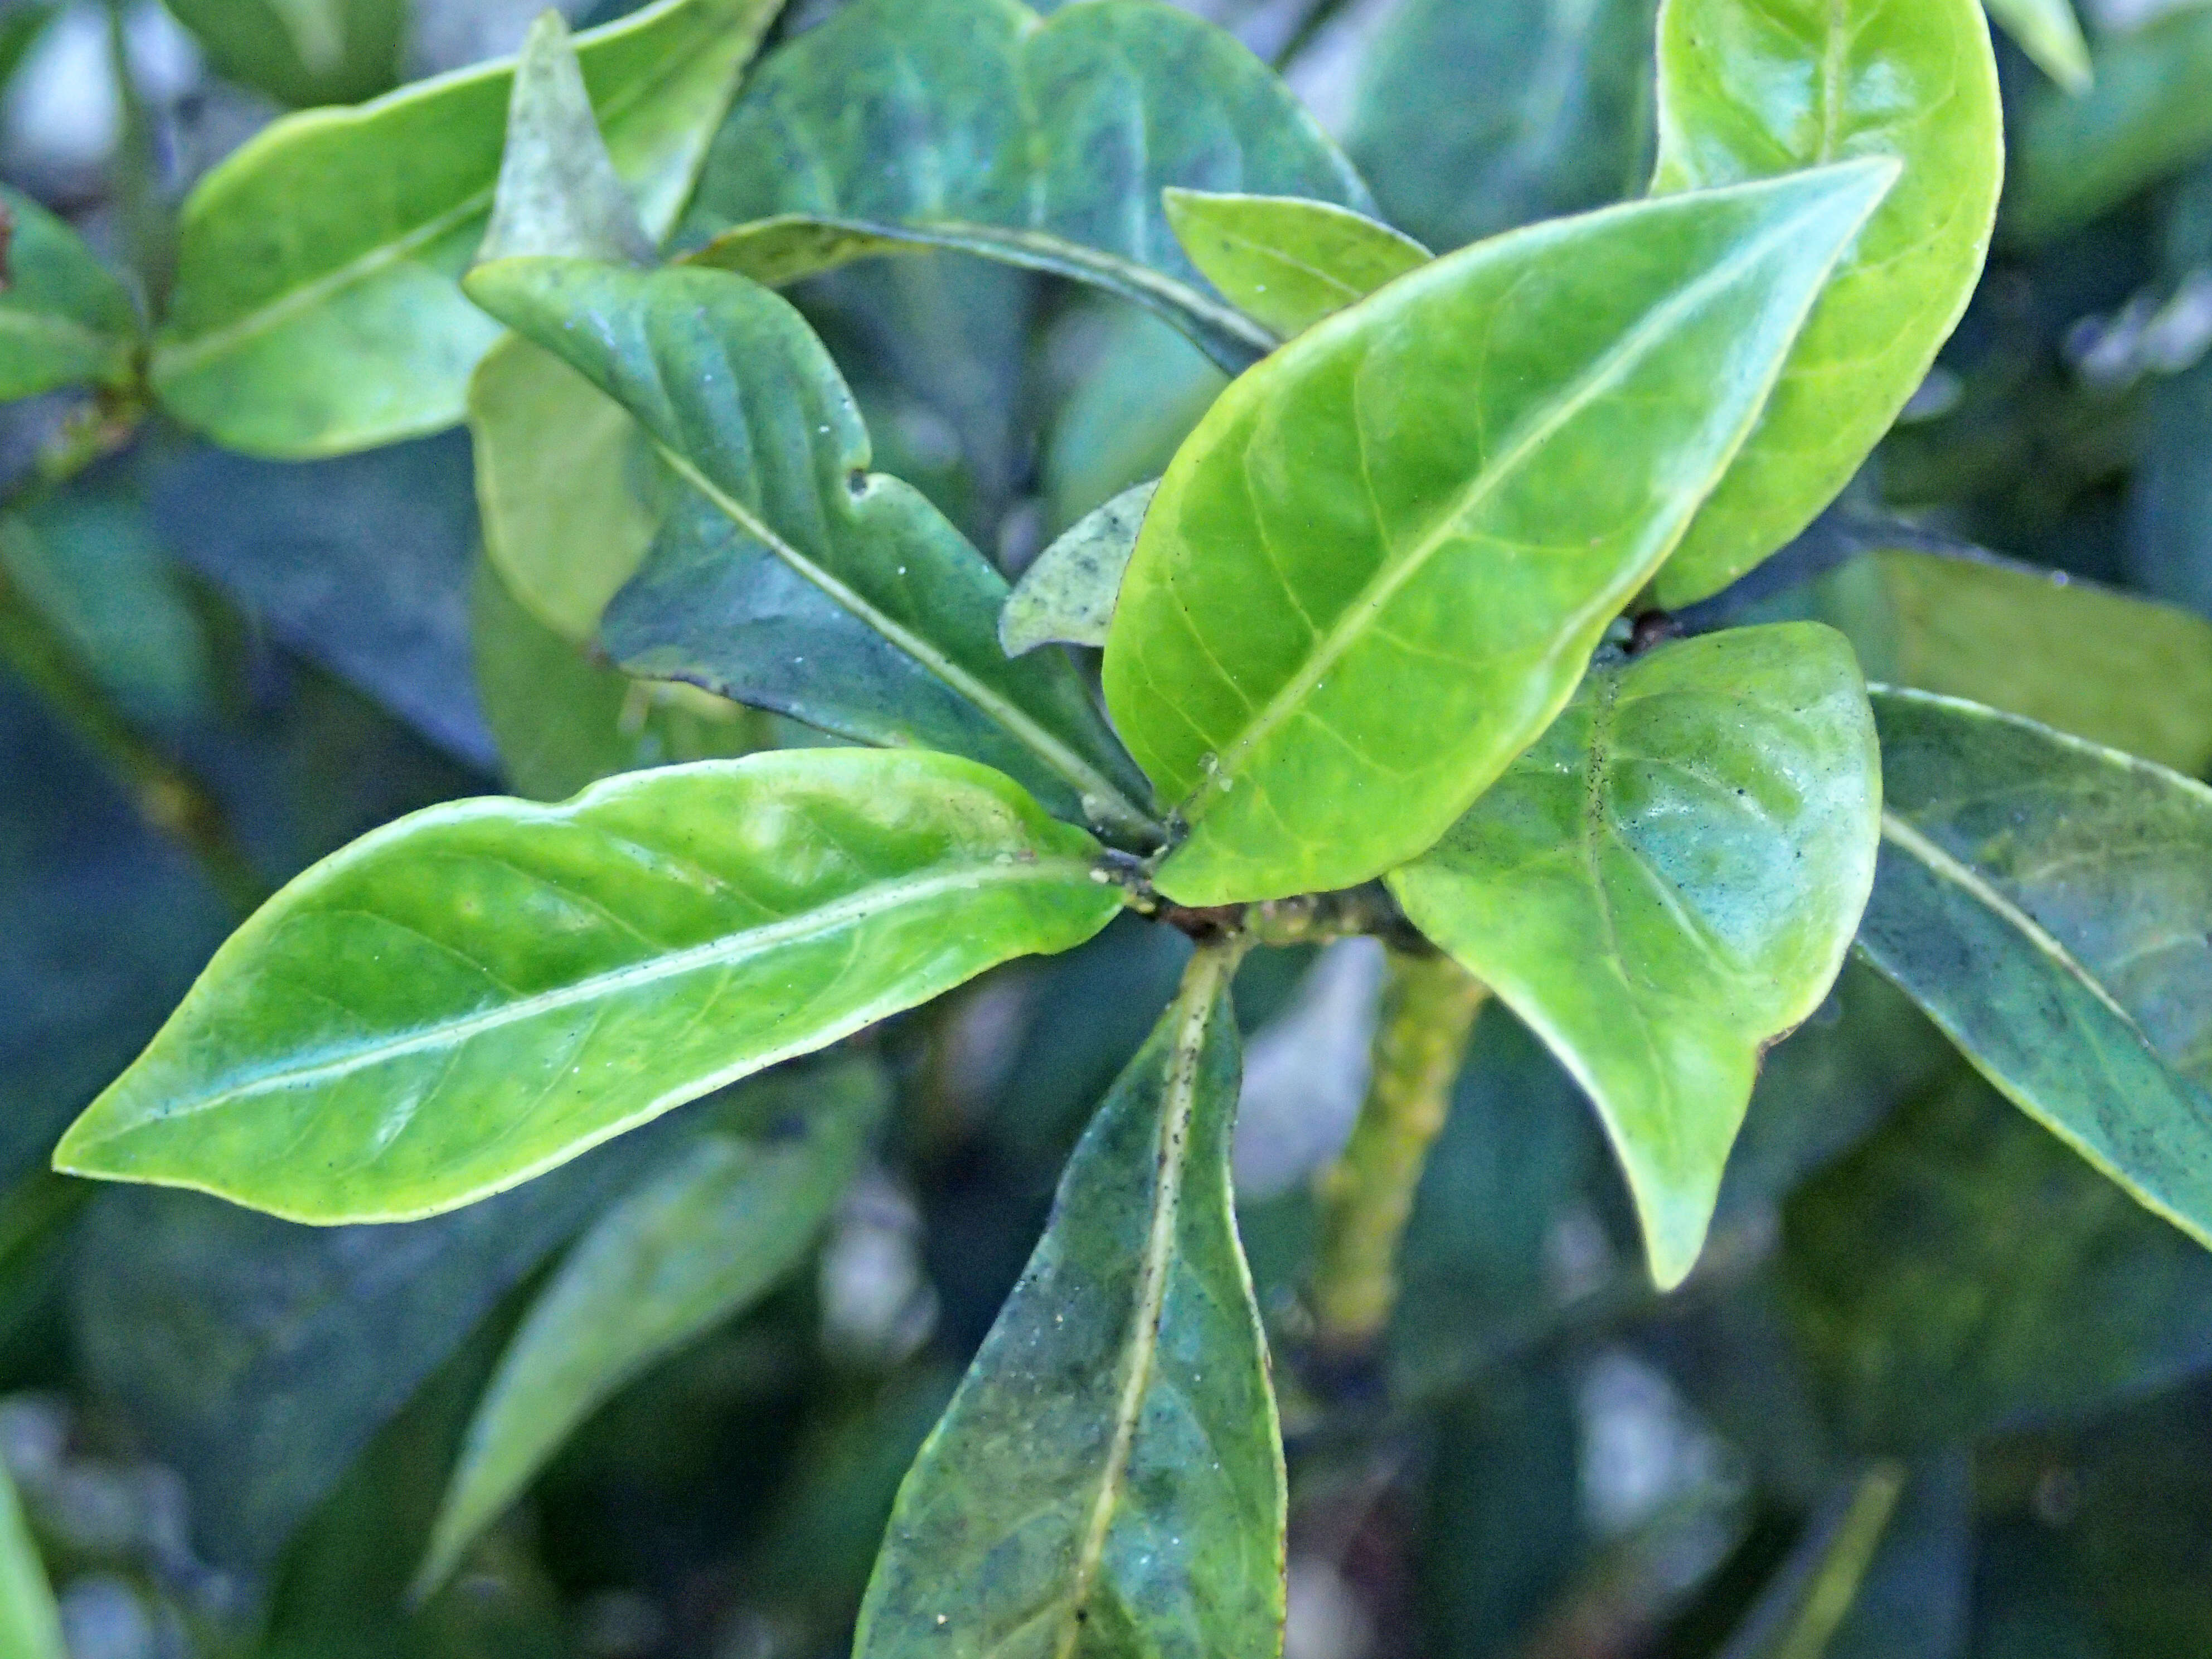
pixel 2040 898
pixel 2049 32
pixel 563 721
pixel 1066 597
pixel 1749 88
pixel 2149 115
pixel 790 247
pixel 2112 667
pixel 570 490
pixel 1145 389
pixel 1472 119
pixel 782 537
pixel 1109 1477
pixel 1666 884
pixel 902 113
pixel 29 1627
pixel 558 192
pixel 64 320
pixel 1286 261
pixel 685 1252
pixel 1377 568
pixel 1803 1605
pixel 316 308
pixel 301 52
pixel 475 993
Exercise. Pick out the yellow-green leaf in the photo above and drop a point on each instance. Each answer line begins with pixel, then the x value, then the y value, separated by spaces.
pixel 1288 263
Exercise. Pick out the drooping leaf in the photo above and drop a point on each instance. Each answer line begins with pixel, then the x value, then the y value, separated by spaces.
pixel 2112 667
pixel 564 722
pixel 901 113
pixel 1377 571
pixel 1748 88
pixel 2148 116
pixel 257 1358
pixel 1472 119
pixel 1667 882
pixel 64 320
pixel 558 192
pixel 1961 1272
pixel 479 991
pixel 316 308
pixel 360 563
pixel 1109 1477
pixel 301 52
pixel 29 1627
pixel 786 574
pixel 1286 262
pixel 684 1251
pixel 2039 896
pixel 2049 32
pixel 1066 597
pixel 790 247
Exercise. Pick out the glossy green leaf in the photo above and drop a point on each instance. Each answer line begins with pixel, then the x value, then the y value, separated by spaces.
pixel 316 308
pixel 792 246
pixel 906 112
pixel 2112 667
pixel 563 721
pixel 691 1247
pixel 2149 115
pixel 558 192
pixel 2041 899
pixel 1748 88
pixel 783 538
pixel 1066 597
pixel 1472 119
pixel 301 52
pixel 1109 1478
pixel 1378 567
pixel 477 993
pixel 1666 884
pixel 1286 261
pixel 29 1627
pixel 2049 32
pixel 65 320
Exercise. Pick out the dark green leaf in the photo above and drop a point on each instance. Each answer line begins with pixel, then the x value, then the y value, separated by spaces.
pixel 1376 572
pixel 792 246
pixel 2049 32
pixel 2102 665
pixel 1286 262
pixel 316 309
pixel 1066 597
pixel 478 992
pixel 786 574
pixel 1748 88
pixel 301 52
pixel 686 1250
pixel 900 113
pixel 1110 1477
pixel 2042 899
pixel 1667 882
pixel 2148 115
pixel 1472 119
pixel 558 192
pixel 562 721
pixel 1962 1272
pixel 29 1627
pixel 63 318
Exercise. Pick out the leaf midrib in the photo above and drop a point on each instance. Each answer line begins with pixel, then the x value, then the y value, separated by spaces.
pixel 726 949
pixel 1057 757
pixel 1356 620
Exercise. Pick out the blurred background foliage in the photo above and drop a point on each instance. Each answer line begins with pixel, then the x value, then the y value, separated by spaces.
pixel 1930 1356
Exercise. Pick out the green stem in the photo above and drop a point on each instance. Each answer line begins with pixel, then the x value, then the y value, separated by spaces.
pixel 166 797
pixel 1429 1007
pixel 146 216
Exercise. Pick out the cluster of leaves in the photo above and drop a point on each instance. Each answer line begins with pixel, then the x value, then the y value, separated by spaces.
pixel 1517 605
